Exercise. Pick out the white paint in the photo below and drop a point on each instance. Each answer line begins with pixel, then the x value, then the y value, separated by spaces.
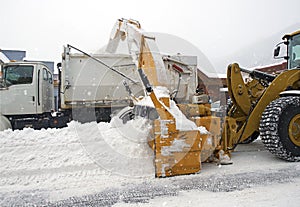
pixel 176 146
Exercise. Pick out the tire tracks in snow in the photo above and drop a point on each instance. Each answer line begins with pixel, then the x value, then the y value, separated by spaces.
pixel 146 190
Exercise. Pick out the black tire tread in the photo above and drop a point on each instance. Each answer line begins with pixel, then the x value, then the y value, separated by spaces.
pixel 269 127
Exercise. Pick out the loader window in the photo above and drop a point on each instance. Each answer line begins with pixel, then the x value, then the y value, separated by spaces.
pixel 18 74
pixel 294 52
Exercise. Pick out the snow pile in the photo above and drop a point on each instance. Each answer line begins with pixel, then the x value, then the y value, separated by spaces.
pixel 203 130
pixel 182 123
pixel 122 149
pixel 40 149
pixel 117 150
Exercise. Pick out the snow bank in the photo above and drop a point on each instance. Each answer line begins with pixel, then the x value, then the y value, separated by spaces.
pixel 40 149
pixel 122 150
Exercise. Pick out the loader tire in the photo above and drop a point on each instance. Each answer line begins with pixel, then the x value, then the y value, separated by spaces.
pixel 280 128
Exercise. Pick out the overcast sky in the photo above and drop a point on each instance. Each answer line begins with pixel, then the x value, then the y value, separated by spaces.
pixel 42 27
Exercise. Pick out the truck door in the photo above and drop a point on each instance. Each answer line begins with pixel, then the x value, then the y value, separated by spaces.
pixel 45 91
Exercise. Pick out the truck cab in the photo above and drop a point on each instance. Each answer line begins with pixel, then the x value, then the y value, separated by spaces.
pixel 26 90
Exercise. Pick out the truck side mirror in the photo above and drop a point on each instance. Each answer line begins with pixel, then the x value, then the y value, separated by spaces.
pixel 58 66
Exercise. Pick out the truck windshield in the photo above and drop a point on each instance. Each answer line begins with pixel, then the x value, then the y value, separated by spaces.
pixel 17 74
pixel 294 52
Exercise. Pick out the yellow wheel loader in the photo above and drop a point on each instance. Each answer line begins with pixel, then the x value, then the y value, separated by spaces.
pixel 186 134
pixel 266 105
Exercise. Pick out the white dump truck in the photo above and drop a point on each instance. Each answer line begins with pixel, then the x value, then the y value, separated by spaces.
pixel 91 88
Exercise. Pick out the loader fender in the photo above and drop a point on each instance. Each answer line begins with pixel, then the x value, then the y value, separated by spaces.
pixel 4 123
pixel 290 93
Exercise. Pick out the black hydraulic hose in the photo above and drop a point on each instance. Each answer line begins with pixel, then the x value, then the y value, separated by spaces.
pixel 99 61
pixel 145 81
pixel 259 74
pixel 178 85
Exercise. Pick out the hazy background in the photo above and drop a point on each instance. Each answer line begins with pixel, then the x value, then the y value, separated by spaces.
pixel 222 30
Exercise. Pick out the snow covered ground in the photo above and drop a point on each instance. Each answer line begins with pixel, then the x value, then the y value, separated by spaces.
pixel 271 195
pixel 100 165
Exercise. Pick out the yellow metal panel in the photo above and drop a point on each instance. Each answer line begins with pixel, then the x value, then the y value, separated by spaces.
pixel 172 159
pixel 190 110
pixel 147 63
pixel 292 34
pixel 237 88
pixel 211 123
pixel 212 140
pixel 186 163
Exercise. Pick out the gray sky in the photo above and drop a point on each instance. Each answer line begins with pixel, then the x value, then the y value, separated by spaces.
pixel 42 27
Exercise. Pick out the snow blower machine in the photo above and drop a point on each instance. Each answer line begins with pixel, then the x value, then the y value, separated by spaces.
pixel 185 132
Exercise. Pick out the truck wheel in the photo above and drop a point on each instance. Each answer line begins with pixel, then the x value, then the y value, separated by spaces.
pixel 4 123
pixel 280 128
pixel 126 114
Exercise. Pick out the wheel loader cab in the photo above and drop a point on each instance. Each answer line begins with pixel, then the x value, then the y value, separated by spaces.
pixel 292 43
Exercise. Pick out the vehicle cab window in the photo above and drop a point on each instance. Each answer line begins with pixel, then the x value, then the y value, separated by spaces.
pixel 295 52
pixel 45 74
pixel 18 74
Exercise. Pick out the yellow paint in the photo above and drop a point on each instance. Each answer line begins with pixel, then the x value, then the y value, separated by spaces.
pixel 294 130
pixel 243 119
pixel 147 63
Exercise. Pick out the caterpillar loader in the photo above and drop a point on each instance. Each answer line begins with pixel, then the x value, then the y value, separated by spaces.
pixel 187 133
pixel 267 105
